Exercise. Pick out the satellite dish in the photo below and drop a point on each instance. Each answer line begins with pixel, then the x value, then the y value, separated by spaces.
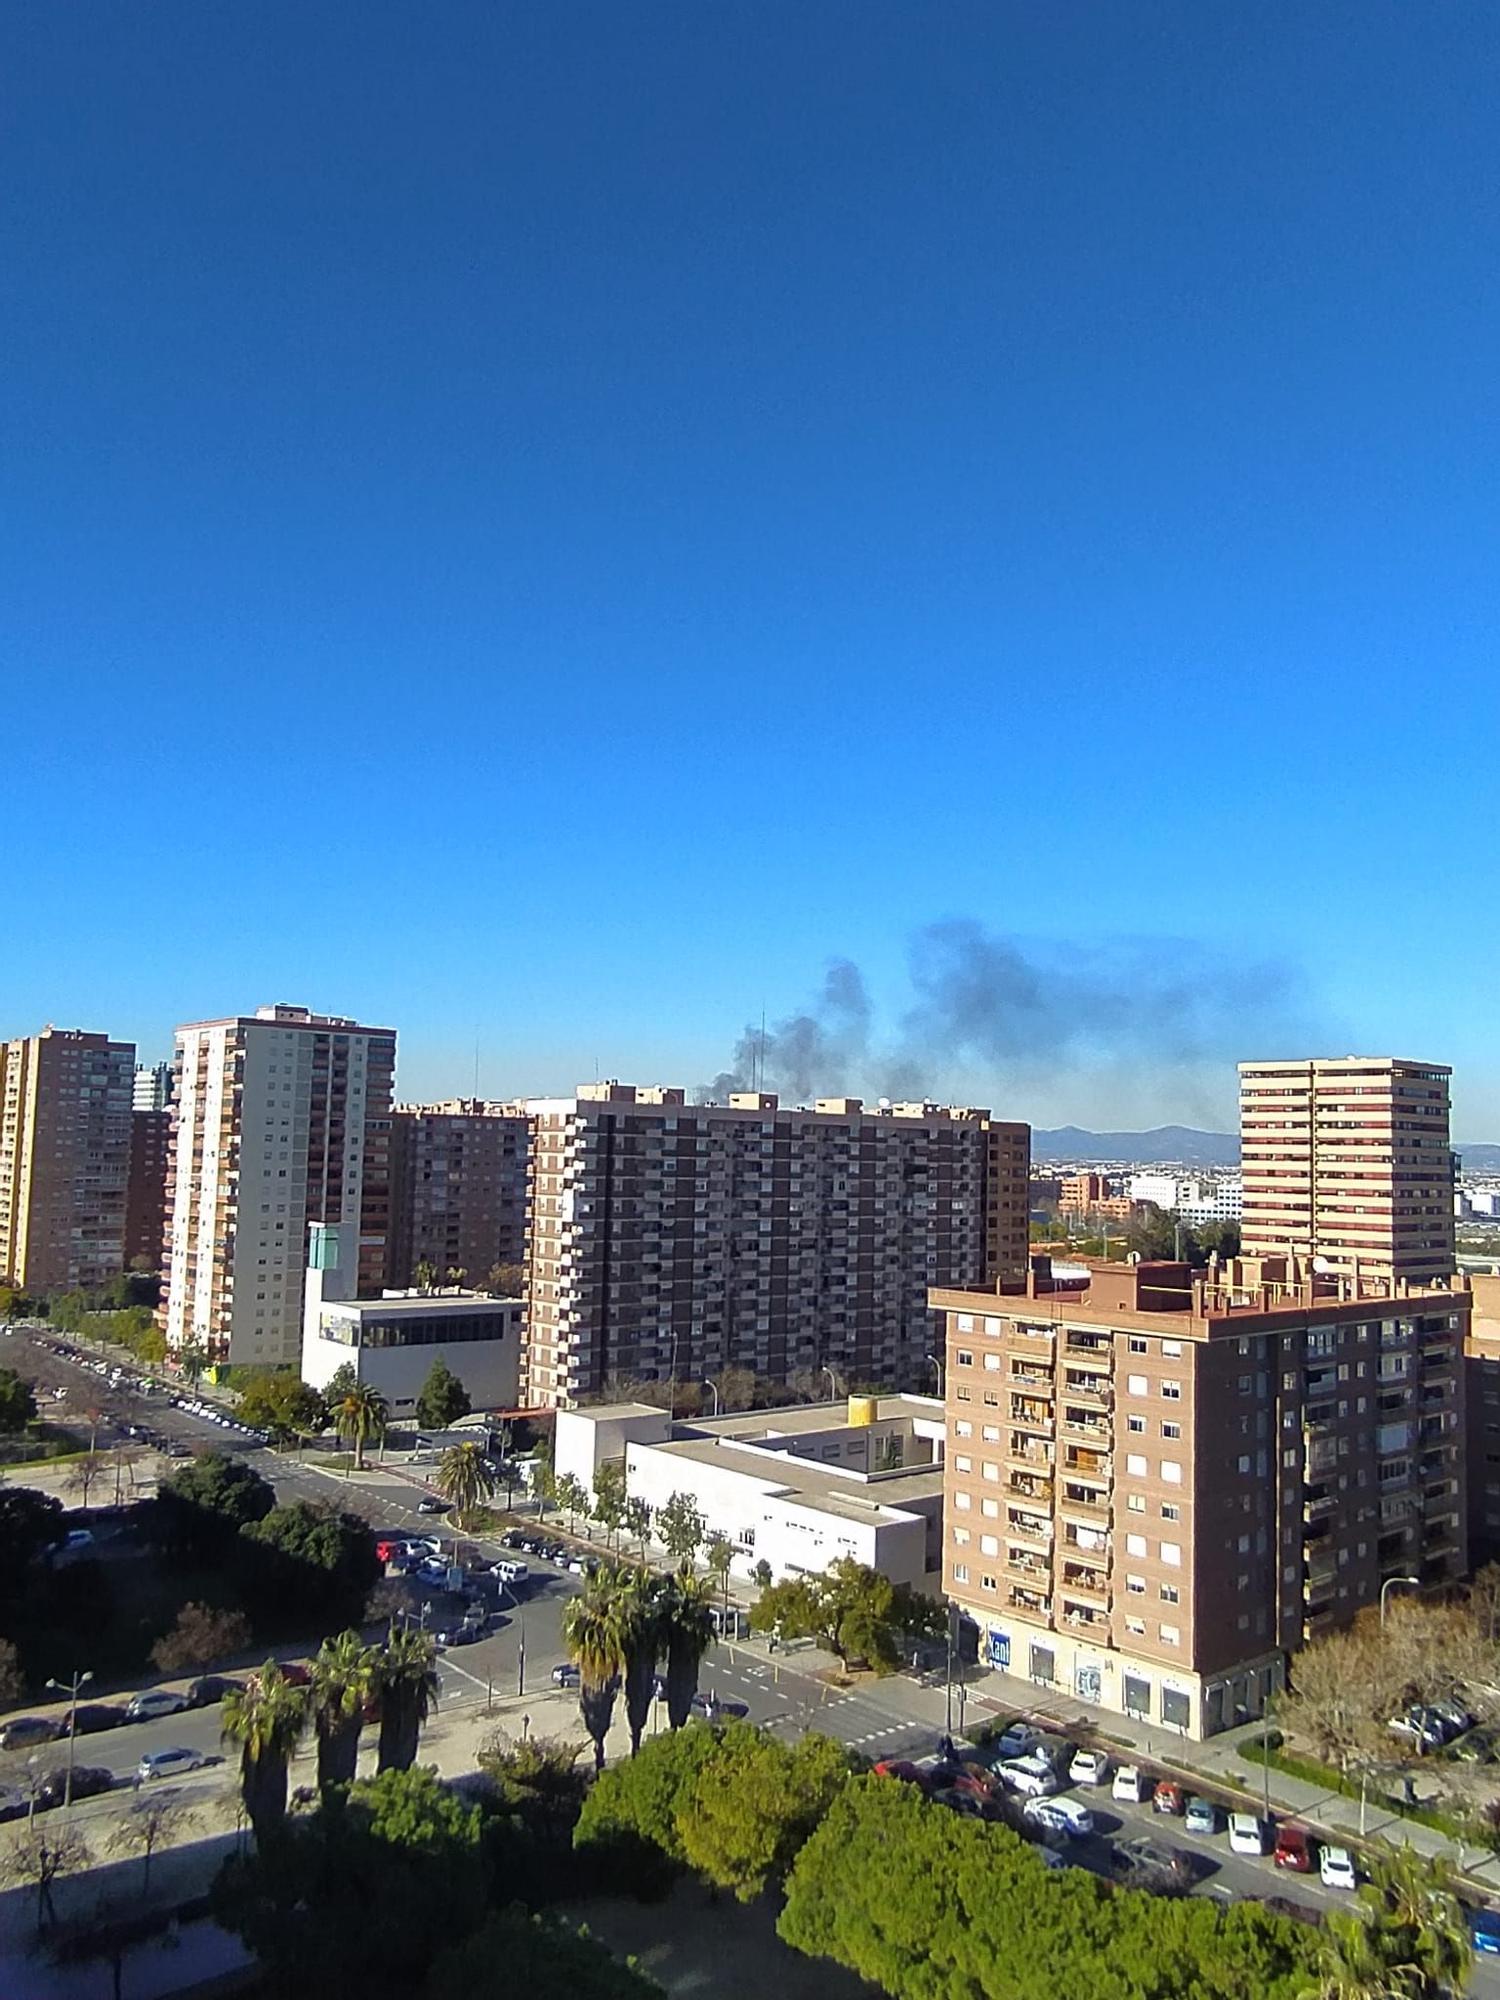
pixel 1322 1266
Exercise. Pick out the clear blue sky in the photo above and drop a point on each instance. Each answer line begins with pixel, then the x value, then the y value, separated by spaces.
pixel 558 521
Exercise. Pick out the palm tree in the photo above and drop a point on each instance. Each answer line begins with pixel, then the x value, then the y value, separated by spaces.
pixel 343 1679
pixel 464 1479
pixel 406 1681
pixel 359 1415
pixel 638 1596
pixel 266 1718
pixel 1354 1963
pixel 1412 1904
pixel 688 1629
pixel 592 1630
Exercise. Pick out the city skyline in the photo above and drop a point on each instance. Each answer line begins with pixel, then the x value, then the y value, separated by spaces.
pixel 699 499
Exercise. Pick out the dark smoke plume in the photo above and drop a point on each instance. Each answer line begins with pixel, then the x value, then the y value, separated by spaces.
pixel 980 1000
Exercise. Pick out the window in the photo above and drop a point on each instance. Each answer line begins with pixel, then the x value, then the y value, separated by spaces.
pixel 1170 1594
pixel 1136 1585
pixel 1136 1424
pixel 962 1502
pixel 1135 1464
pixel 1137 1385
pixel 1170 1636
pixel 986 1583
pixel 1135 1545
pixel 1171 1430
pixel 988 1545
pixel 1137 1626
pixel 960 1572
pixel 1242 1464
pixel 1244 1545
pixel 962 1395
pixel 992 1361
pixel 991 1472
pixel 1172 1391
pixel 962 1537
pixel 962 1463
pixel 990 1509
pixel 963 1428
pixel 1171 1554
pixel 1171 1471
pixel 1136 1502
pixel 965 1357
pixel 1139 1344
pixel 1172 1349
pixel 965 1322
pixel 990 1433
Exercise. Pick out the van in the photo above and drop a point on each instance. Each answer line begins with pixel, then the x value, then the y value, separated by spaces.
pixel 510 1572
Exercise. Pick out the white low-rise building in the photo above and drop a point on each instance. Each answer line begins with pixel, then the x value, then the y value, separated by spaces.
pixel 796 1488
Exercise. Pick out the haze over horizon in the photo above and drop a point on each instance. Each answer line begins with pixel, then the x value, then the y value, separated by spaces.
pixel 567 530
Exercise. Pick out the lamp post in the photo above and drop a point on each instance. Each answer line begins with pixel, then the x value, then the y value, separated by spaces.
pixel 506 1591
pixel 1414 1581
pixel 937 1368
pixel 833 1383
pixel 72 1689
pixel 715 1388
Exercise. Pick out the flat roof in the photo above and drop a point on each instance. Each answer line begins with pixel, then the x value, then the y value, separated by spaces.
pixel 421 1302
pixel 795 1419
pixel 598 1413
pixel 805 1479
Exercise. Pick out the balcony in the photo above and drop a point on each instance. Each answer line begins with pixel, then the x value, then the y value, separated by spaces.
pixel 1081 1504
pixel 1033 1603
pixel 1318 1506
pixel 1026 1486
pixel 1024 1451
pixel 1086 1464
pixel 1031 1414
pixel 1030 1528
pixel 1079 1424
pixel 1030 1376
pixel 1092 1546
pixel 1089 1392
pixel 1088 1585
pixel 1085 1618
pixel 1035 1568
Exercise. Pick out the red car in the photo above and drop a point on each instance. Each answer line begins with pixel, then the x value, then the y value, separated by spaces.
pixel 1294 1849
pixel 900 1767
pixel 1167 1798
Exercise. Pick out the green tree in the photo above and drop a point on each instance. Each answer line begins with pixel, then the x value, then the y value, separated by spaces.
pixel 764 1575
pixel 639 1597
pixel 536 1779
pixel 360 1417
pixel 638 1801
pixel 852 1609
pixel 687 1632
pixel 1416 1922
pixel 406 1681
pixel 12 1678
pixel 442 1399
pixel 718 1554
pixel 358 1896
pixel 609 1496
pixel 541 1956
pixel 276 1400
pixel 344 1678
pixel 344 1378
pixel 506 1281
pixel 193 1361
pixel 592 1630
pixel 307 1564
pixel 201 1636
pixel 638 1522
pixel 572 1496
pixel 30 1524
pixel 680 1527
pixel 464 1479
pixel 754 1803
pixel 153 1818
pixel 203 1504
pixel 425 1274
pixel 266 1719
pixel 17 1402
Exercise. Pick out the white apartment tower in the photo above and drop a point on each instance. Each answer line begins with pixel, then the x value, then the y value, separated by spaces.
pixel 282 1120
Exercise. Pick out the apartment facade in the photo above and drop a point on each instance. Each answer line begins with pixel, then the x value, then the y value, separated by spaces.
pixel 1349 1160
pixel 1482 1380
pixel 64 1159
pixel 283 1118
pixel 153 1087
pixel 1159 1483
pixel 667 1241
pixel 458 1188
pixel 146 1190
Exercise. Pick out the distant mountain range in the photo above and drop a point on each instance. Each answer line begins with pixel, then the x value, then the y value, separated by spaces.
pixel 1181 1145
pixel 1165 1145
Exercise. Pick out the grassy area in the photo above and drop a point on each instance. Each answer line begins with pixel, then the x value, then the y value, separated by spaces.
pixel 42 1443
pixel 1311 1772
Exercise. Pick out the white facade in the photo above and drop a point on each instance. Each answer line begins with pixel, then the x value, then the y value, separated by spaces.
pixel 585 1439
pixel 1193 1198
pixel 393 1342
pixel 249 1093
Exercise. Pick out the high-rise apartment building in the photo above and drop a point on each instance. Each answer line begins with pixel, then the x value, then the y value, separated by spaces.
pixel 282 1119
pixel 1482 1380
pixel 667 1241
pixel 146 1193
pixel 1347 1160
pixel 64 1159
pixel 153 1087
pixel 1158 1483
pixel 458 1188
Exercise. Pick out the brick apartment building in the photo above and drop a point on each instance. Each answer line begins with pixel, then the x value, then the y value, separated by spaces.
pixel 458 1188
pixel 64 1159
pixel 667 1241
pixel 1159 1483
pixel 146 1190
pixel 1348 1160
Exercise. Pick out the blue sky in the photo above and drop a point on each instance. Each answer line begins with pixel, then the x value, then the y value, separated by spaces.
pixel 548 525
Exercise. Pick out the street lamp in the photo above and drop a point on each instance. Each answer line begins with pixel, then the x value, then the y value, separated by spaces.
pixel 833 1383
pixel 715 1388
pixel 1414 1581
pixel 72 1689
pixel 937 1368
pixel 506 1591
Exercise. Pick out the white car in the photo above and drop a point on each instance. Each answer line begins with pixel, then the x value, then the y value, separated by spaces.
pixel 510 1572
pixel 1089 1767
pixel 156 1701
pixel 1336 1868
pixel 1061 1816
pixel 1130 1787
pixel 1247 1834
pixel 1033 1777
pixel 169 1764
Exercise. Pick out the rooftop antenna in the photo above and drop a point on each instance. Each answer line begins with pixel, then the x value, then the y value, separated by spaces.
pixel 476 1065
pixel 761 1084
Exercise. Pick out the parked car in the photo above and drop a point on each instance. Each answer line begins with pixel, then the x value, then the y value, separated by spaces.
pixel 565 1676
pixel 899 1767
pixel 1089 1767
pixel 1168 1797
pixel 388 1547
pixel 431 1506
pixel 1418 1725
pixel 712 1706
pixel 174 1763
pixel 966 1803
pixel 1484 1931
pixel 1247 1833
pixel 510 1572
pixel 1019 1740
pixel 1131 1786
pixel 88 1781
pixel 1154 1864
pixel 14 1804
pixel 1336 1869
pixel 96 1715
pixel 1067 1816
pixel 1032 1776
pixel 295 1674
pixel 1201 1816
pixel 209 1688
pixel 23 1730
pixel 1294 1849
pixel 154 1702
pixel 1477 1747
pixel 1451 1715
pixel 463 1634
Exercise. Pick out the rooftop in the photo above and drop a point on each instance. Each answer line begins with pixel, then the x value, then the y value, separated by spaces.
pixel 407 1303
pixel 805 1479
